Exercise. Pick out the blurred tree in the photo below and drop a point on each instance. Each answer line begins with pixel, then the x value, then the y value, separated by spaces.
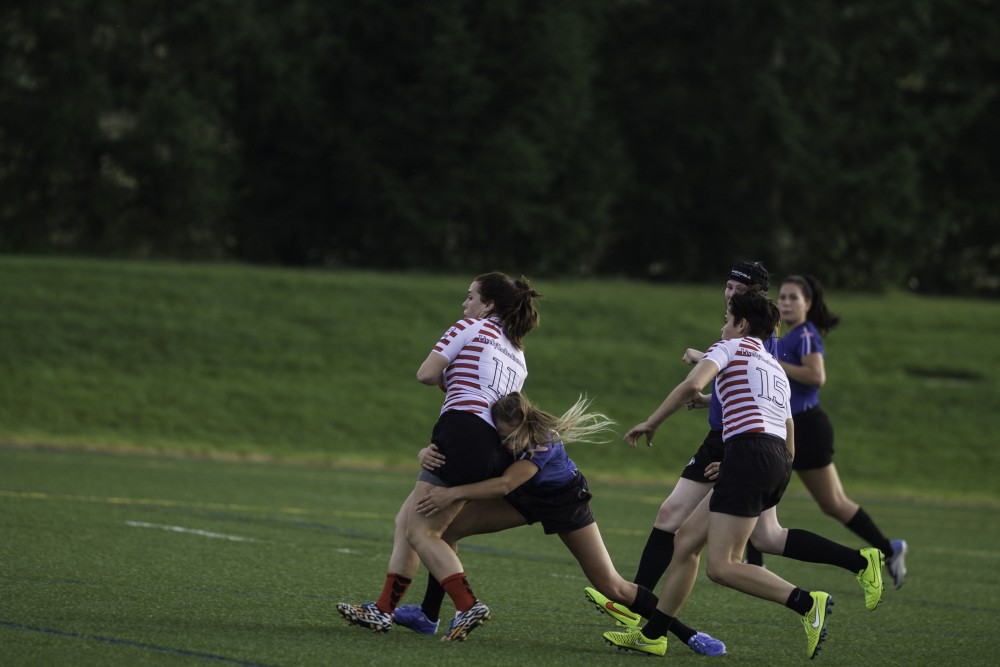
pixel 650 139
pixel 111 116
pixel 444 135
pixel 957 93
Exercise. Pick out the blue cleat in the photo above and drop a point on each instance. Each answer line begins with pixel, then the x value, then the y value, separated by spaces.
pixel 703 644
pixel 897 562
pixel 412 616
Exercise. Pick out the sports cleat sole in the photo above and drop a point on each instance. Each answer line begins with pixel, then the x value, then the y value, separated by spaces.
pixel 897 562
pixel 350 615
pixel 458 633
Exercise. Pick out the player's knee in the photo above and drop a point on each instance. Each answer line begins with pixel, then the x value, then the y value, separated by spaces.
pixel 765 543
pixel 831 508
pixel 671 517
pixel 718 572
pixel 415 536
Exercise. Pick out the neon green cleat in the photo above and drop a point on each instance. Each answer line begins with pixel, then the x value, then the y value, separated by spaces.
pixel 622 614
pixel 870 578
pixel 815 622
pixel 633 640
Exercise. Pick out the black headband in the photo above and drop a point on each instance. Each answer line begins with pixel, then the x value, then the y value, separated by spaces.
pixel 740 277
pixel 749 273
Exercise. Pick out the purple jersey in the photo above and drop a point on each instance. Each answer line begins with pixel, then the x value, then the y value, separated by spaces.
pixel 555 468
pixel 772 345
pixel 801 341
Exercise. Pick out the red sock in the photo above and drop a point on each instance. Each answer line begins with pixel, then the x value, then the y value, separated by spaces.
pixel 457 587
pixel 392 592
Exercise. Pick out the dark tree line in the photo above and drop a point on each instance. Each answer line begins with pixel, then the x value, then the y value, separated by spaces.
pixel 651 139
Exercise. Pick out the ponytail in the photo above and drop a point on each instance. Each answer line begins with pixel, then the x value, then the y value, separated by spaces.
pixel 513 302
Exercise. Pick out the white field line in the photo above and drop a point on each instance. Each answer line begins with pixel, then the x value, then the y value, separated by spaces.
pixel 190 531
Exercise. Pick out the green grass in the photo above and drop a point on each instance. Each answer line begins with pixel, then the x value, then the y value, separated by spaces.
pixel 257 372
pixel 226 359
pixel 96 571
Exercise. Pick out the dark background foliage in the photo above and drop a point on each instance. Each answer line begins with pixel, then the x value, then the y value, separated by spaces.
pixel 580 137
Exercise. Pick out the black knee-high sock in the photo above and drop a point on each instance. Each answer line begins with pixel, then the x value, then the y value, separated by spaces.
pixel 659 624
pixel 645 602
pixel 655 558
pixel 862 525
pixel 433 597
pixel 754 557
pixel 683 632
pixel 812 548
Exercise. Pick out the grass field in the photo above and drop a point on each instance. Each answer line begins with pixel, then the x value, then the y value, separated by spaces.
pixel 133 559
pixel 238 360
pixel 198 461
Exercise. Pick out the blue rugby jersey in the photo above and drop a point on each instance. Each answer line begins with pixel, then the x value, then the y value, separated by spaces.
pixel 555 468
pixel 799 342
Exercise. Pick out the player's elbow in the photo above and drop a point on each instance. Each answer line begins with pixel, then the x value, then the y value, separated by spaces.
pixel 427 377
pixel 506 488
pixel 690 389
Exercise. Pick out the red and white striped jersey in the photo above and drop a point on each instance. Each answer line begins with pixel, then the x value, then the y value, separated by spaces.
pixel 483 366
pixel 753 388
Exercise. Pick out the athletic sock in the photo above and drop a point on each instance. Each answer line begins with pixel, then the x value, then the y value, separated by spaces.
pixel 644 603
pixel 683 632
pixel 812 548
pixel 392 592
pixel 753 556
pixel 658 625
pixel 433 597
pixel 862 525
pixel 458 589
pixel 799 601
pixel 655 558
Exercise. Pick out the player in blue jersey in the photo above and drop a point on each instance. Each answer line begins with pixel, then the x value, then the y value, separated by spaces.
pixel 693 485
pixel 542 485
pixel 807 319
pixel 477 360
pixel 757 464
pixel 696 483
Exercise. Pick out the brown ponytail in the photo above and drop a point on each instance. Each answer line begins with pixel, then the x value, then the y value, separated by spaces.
pixel 513 302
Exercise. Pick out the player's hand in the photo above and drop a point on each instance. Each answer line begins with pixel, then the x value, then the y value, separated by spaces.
pixel 712 470
pixel 437 498
pixel 692 356
pixel 430 457
pixel 699 402
pixel 632 437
